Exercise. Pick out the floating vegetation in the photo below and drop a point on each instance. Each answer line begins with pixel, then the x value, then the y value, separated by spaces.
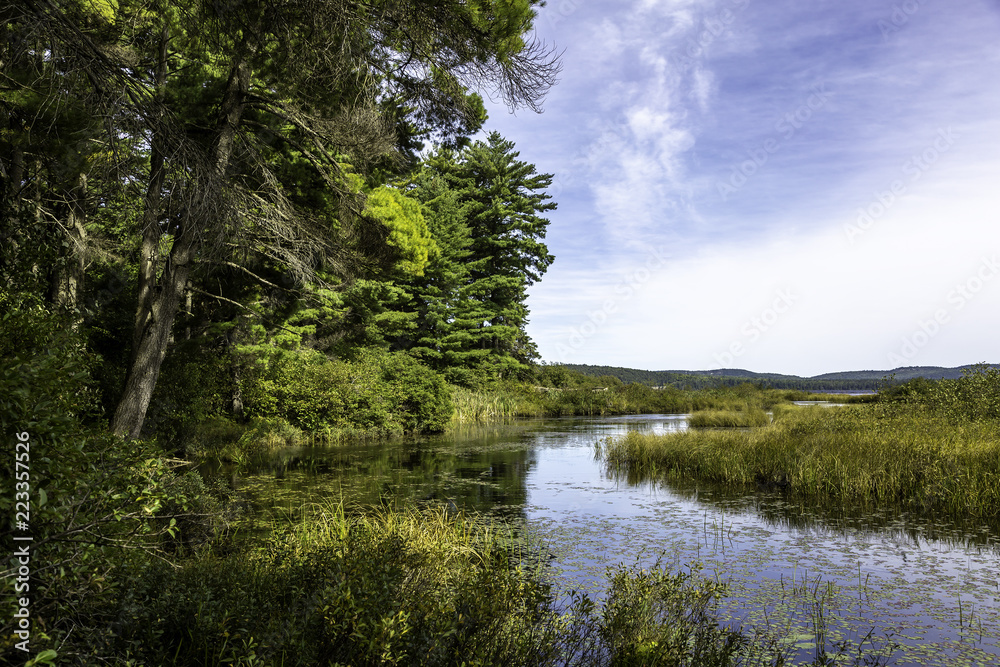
pixel 802 579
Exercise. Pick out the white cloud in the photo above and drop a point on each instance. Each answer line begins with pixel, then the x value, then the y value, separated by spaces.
pixel 810 303
pixel 702 87
pixel 646 120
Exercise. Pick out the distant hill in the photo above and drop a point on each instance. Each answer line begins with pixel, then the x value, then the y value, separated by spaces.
pixel 843 381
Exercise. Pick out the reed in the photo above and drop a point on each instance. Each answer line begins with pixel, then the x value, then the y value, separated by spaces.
pixel 729 418
pixel 861 453
pixel 487 407
pixel 429 587
pixel 505 402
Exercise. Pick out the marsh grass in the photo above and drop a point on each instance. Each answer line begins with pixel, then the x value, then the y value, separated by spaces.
pixel 866 454
pixel 485 407
pixel 224 440
pixel 729 418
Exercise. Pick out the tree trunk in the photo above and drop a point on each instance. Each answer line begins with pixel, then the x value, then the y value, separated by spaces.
pixel 155 321
pixel 67 278
pixel 11 178
pixel 149 247
pixel 148 356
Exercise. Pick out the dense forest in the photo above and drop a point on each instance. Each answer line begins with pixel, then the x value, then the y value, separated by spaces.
pixel 225 206
pixel 240 217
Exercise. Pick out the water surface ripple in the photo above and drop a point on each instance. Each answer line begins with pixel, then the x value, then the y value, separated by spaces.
pixel 872 578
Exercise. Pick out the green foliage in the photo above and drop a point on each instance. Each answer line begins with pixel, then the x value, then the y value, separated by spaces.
pixel 44 370
pixel 973 397
pixel 653 617
pixel 407 229
pixel 484 207
pixel 397 587
pixel 95 499
pixel 744 405
pixel 377 393
pixel 394 589
pixel 195 386
pixel 867 454
pixel 850 381
pixel 729 418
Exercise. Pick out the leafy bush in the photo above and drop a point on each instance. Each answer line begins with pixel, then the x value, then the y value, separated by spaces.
pixel 973 397
pixel 97 501
pixel 420 397
pixel 379 393
pixel 405 587
pixel 653 617
pixel 195 387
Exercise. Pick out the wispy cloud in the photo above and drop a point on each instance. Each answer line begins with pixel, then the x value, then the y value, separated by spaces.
pixel 662 101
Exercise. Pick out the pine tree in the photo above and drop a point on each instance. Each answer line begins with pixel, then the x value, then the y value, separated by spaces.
pixel 485 208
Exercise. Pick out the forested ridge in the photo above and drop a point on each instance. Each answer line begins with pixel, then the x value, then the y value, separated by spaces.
pixel 728 377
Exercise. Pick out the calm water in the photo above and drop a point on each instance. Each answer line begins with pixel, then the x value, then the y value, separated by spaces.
pixel 929 586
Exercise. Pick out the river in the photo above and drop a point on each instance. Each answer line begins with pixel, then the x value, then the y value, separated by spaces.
pixel 919 589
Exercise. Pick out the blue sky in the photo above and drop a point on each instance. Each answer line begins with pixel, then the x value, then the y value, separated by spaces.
pixel 792 187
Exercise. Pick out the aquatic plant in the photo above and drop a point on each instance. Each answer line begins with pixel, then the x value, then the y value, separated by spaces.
pixel 504 402
pixel 865 454
pixel 402 587
pixel 729 418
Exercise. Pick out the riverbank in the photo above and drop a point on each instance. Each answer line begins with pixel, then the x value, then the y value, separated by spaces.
pixel 405 587
pixel 923 455
pixel 514 401
pixel 226 439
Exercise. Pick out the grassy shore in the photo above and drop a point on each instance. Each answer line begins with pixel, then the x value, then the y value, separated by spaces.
pixel 401 587
pixel 506 402
pixel 866 454
pixel 396 587
pixel 229 440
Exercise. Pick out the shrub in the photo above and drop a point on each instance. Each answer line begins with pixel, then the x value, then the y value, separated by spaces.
pixel 195 386
pixel 379 393
pixel 653 617
pixel 404 587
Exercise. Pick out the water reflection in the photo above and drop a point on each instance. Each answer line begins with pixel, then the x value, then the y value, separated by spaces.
pixel 930 583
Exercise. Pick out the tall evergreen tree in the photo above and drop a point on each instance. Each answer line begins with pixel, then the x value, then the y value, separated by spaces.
pixel 486 210
pixel 244 107
pixel 505 199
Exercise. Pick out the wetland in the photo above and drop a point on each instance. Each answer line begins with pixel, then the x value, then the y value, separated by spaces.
pixel 886 583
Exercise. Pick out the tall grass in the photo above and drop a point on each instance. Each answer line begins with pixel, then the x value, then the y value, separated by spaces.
pixel 729 418
pixel 485 407
pixel 864 454
pixel 399 587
